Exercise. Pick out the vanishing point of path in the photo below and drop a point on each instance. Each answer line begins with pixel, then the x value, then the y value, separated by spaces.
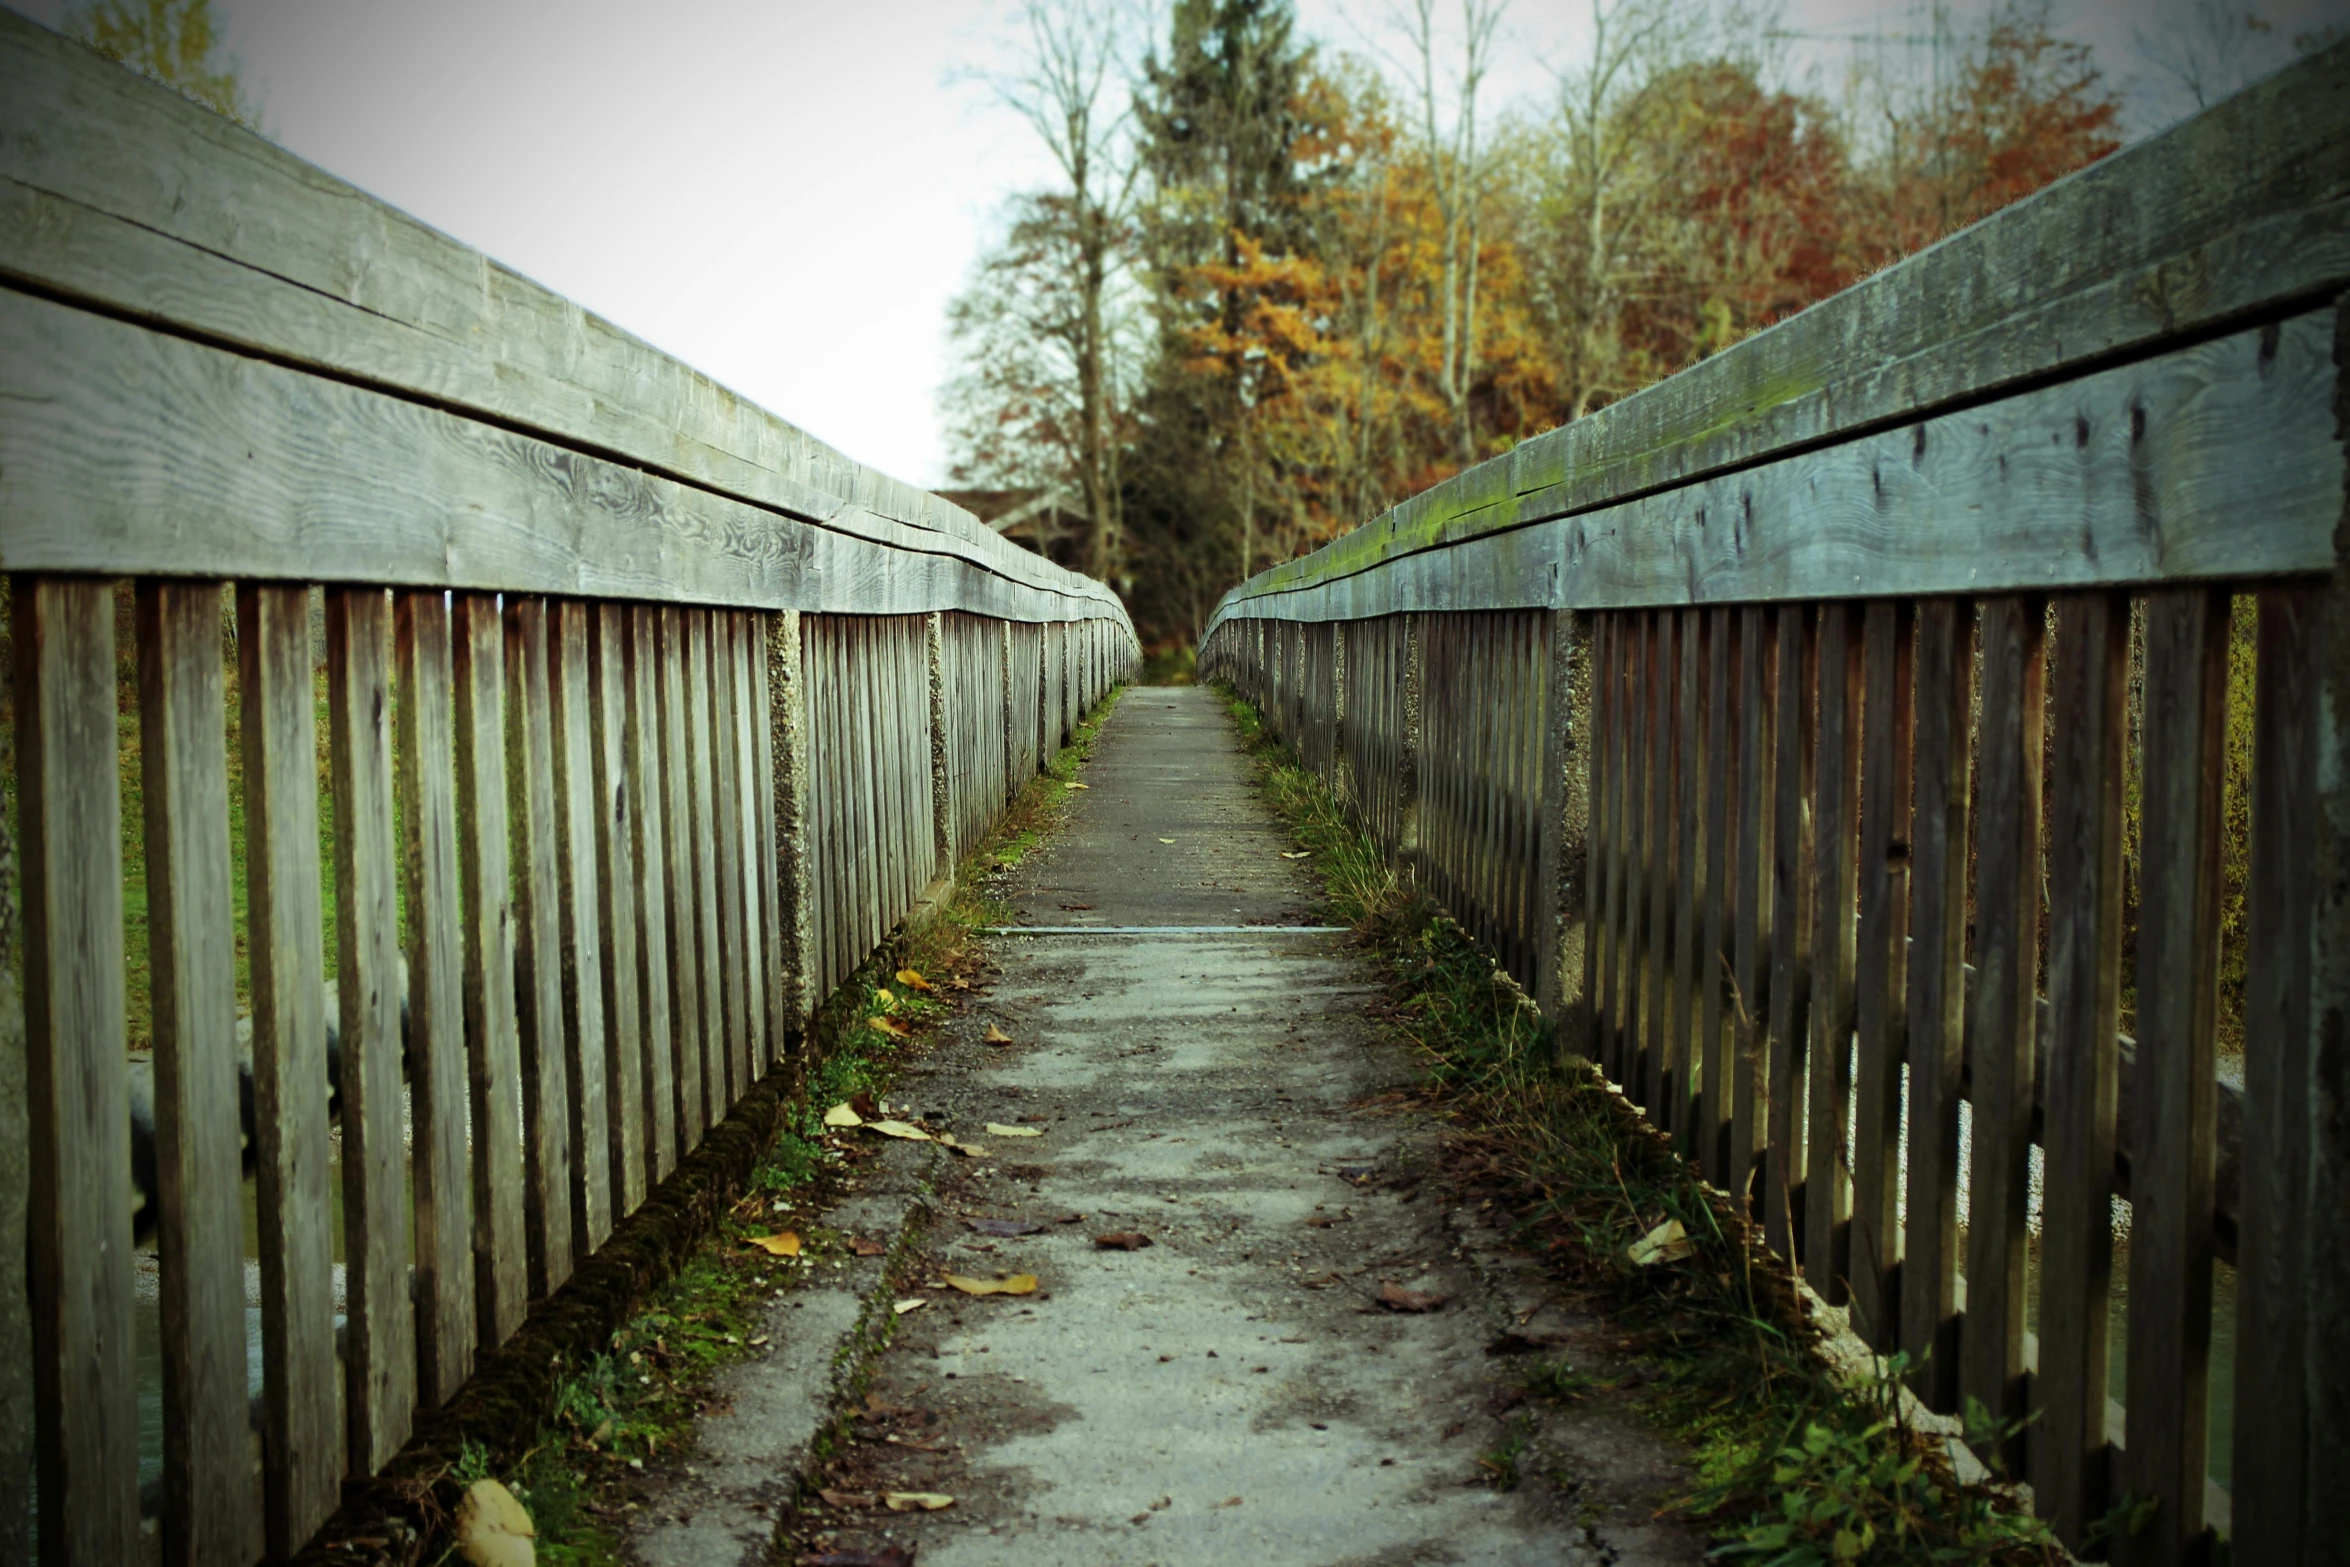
pixel 1234 1392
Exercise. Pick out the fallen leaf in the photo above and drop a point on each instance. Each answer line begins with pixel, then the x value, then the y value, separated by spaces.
pixel 996 1036
pixel 783 1243
pixel 1396 1298
pixel 967 1150
pixel 1229 1501
pixel 917 1501
pixel 866 1105
pixel 843 1115
pixel 1668 1242
pixel 1069 1218
pixel 1080 786
pixel 890 1025
pixel 866 1248
pixel 1122 1240
pixel 1004 1227
pixel 913 977
pixel 885 995
pixel 1017 1284
pixel 1166 840
pixel 904 1306
pixel 1013 1131
pixel 900 1129
pixel 847 1498
pixel 761 1339
pixel 492 1528
pixel 1302 854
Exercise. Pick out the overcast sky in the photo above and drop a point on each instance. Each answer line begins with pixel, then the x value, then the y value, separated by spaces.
pixel 784 193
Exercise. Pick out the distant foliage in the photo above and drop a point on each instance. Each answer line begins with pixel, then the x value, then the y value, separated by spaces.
pixel 175 42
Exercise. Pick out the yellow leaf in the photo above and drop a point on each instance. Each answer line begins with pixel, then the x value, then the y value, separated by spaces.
pixel 782 1244
pixel 843 1115
pixel 911 1133
pixel 1080 786
pixel 1017 1284
pixel 1668 1242
pixel 883 992
pixel 492 1528
pixel 911 1501
pixel 913 977
pixel 890 1025
pixel 1013 1131
pixel 1302 854
pixel 916 1303
pixel 996 1036
pixel 1166 840
pixel 967 1150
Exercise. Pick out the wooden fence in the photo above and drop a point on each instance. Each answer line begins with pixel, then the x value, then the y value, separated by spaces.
pixel 1929 714
pixel 590 726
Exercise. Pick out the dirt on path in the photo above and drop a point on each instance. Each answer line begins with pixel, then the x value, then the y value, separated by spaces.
pixel 1309 1354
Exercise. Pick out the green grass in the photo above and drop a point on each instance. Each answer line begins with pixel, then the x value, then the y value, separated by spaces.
pixel 1790 1465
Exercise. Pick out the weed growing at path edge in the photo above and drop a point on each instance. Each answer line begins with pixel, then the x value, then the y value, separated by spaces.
pixel 1792 1465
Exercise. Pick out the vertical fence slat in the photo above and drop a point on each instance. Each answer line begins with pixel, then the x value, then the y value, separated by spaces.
pixel 786 704
pixel 1937 995
pixel 438 1164
pixel 302 1442
pixel 485 864
pixel 1712 1133
pixel 1659 854
pixel 1880 973
pixel 1758 685
pixel 766 729
pixel 1684 1054
pixel 379 1348
pixel 577 895
pixel 726 803
pixel 1835 904
pixel 1600 945
pixel 70 803
pixel 1633 841
pixel 538 943
pixel 2000 1029
pixel 619 921
pixel 752 820
pixel 2272 1472
pixel 702 842
pixel 690 1029
pixel 2090 746
pixel 648 850
pixel 192 960
pixel 1791 887
pixel 2175 1102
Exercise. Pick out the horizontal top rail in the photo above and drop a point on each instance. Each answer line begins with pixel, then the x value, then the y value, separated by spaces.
pixel 288 377
pixel 2058 396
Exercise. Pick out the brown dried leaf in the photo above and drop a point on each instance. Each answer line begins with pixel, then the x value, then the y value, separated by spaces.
pixel 866 1248
pixel 1396 1298
pixel 917 1501
pixel 996 1036
pixel 1122 1240
pixel 890 1025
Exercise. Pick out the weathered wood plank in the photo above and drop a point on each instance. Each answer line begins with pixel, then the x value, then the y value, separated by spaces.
pixel 493 1036
pixel 302 1439
pixel 70 800
pixel 577 895
pixel 2001 1023
pixel 691 1027
pixel 1794 741
pixel 379 1345
pixel 538 957
pixel 2178 999
pixel 1712 1130
pixel 1635 848
pixel 619 920
pixel 1880 972
pixel 1937 995
pixel 438 1166
pixel 1753 910
pixel 774 689
pixel 1565 799
pixel 648 847
pixel 1835 906
pixel 1683 1053
pixel 1599 951
pixel 718 1088
pixel 2090 748
pixel 751 838
pixel 2271 1468
pixel 192 961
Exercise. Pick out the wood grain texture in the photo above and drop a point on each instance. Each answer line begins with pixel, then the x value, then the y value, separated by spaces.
pixel 379 1342
pixel 302 1440
pixel 578 895
pixel 2168 1398
pixel 1635 842
pixel 749 849
pixel 2000 1025
pixel 438 1166
pixel 1598 952
pixel 1712 1130
pixel 191 954
pixel 538 942
pixel 2214 461
pixel 618 914
pixel 727 820
pixel 1683 1055
pixel 1937 995
pixel 679 875
pixel 1753 907
pixel 115 192
pixel 1835 907
pixel 2271 1469
pixel 2085 824
pixel 696 771
pixel 493 1038
pixel 649 860
pixel 1880 972
pixel 69 800
pixel 1794 742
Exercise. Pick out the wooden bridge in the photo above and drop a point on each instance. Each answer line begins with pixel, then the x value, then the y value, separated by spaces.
pixel 1835 739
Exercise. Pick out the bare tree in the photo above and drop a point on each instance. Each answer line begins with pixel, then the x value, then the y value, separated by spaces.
pixel 1457 167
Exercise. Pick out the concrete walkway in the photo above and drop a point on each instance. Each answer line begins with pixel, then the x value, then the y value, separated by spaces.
pixel 1235 1391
